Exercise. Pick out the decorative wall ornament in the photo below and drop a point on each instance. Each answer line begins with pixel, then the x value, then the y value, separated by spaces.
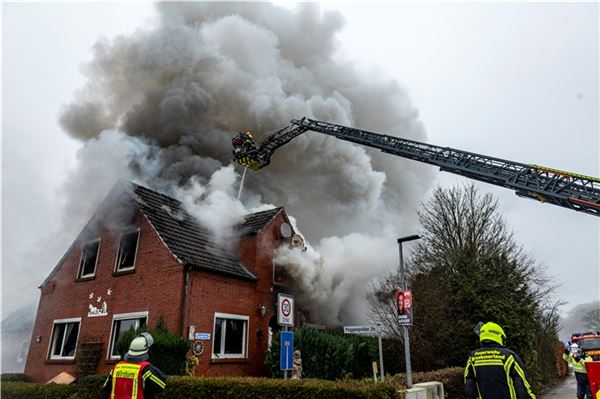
pixel 98 310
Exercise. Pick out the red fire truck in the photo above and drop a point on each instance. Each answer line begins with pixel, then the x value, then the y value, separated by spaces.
pixel 590 343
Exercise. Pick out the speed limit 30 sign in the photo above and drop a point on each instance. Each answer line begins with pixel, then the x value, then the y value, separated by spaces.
pixel 285 310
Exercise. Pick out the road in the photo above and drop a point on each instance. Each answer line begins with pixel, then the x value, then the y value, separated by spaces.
pixel 566 390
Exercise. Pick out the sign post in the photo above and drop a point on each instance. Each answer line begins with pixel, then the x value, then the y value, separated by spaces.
pixel 285 318
pixel 405 334
pixel 286 352
pixel 369 330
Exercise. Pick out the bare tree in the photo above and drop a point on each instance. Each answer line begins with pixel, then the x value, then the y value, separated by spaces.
pixel 591 320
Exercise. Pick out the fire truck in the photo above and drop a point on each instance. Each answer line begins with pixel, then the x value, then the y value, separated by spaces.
pixel 589 342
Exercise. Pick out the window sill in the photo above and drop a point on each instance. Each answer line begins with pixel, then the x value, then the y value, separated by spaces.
pixel 228 360
pixel 81 279
pixel 123 272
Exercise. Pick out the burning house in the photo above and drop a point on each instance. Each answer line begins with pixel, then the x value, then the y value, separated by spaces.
pixel 142 258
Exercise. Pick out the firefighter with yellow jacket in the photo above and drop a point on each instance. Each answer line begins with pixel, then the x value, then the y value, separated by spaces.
pixel 577 357
pixel 135 377
pixel 494 371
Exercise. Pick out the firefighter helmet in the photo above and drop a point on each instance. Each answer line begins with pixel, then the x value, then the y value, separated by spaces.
pixel 493 332
pixel 140 345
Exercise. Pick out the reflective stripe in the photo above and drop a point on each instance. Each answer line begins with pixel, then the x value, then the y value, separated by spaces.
pixel 521 373
pixel 511 386
pixel 126 379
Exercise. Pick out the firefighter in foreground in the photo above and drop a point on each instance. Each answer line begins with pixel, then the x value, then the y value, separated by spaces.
pixel 577 357
pixel 494 371
pixel 135 377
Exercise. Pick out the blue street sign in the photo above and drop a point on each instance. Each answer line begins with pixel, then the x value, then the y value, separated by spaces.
pixel 286 352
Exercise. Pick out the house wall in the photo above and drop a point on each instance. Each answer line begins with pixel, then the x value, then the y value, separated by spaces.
pixel 212 293
pixel 155 286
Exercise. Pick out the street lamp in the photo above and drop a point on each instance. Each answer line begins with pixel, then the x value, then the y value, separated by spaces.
pixel 405 328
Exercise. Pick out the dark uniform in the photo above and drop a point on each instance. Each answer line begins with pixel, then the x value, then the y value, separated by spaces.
pixel 494 371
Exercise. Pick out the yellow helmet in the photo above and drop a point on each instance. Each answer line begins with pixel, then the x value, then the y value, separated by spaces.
pixel 493 332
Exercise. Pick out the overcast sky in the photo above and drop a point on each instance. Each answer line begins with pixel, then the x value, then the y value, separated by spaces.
pixel 514 81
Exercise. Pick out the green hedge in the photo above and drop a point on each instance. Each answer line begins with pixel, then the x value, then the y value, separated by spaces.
pixel 214 388
pixel 11 377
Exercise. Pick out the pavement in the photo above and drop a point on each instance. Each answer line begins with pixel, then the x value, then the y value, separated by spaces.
pixel 565 390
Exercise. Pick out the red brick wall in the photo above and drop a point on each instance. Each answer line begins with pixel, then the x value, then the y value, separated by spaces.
pixel 155 286
pixel 212 293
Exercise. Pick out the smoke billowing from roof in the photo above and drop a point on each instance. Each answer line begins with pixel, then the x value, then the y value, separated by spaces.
pixel 162 105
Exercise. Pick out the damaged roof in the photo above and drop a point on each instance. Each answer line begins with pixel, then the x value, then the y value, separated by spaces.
pixel 187 239
pixel 255 222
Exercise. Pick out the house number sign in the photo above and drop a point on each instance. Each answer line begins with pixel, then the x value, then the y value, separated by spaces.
pixel 198 348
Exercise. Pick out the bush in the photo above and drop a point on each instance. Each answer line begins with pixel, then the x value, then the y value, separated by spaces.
pixel 12 377
pixel 20 390
pixel 327 355
pixel 215 388
pixel 168 353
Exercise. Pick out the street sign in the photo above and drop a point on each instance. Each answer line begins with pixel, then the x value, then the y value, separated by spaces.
pixel 286 351
pixel 360 330
pixel 285 310
pixel 404 303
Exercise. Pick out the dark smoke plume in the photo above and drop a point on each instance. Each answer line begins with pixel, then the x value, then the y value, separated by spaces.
pixel 161 105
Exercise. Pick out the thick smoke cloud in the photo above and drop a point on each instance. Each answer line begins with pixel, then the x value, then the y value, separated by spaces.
pixel 177 92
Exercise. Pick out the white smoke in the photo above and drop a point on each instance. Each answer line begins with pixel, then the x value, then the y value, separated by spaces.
pixel 180 90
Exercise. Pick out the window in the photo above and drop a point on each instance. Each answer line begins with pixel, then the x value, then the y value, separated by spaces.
pixel 89 257
pixel 127 249
pixel 64 338
pixel 122 323
pixel 230 336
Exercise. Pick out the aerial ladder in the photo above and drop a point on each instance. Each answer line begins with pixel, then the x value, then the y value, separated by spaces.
pixel 569 190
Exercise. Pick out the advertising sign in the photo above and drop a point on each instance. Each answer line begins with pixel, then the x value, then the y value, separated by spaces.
pixel 404 303
pixel 285 310
pixel 286 352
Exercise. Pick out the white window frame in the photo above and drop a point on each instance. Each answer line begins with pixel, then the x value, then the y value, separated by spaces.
pixel 51 345
pixel 118 317
pixel 223 355
pixel 81 259
pixel 137 244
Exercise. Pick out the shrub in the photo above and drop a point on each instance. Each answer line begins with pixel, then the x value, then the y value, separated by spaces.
pixel 11 377
pixel 452 378
pixel 328 355
pixel 168 353
pixel 20 390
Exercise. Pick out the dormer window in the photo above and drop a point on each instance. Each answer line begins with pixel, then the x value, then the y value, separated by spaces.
pixel 128 243
pixel 89 259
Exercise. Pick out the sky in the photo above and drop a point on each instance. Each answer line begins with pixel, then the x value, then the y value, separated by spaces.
pixel 514 81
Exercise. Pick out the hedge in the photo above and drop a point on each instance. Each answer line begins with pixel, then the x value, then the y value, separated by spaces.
pixel 452 378
pixel 214 388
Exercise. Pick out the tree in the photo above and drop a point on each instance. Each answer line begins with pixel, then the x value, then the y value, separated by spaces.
pixel 468 268
pixel 591 320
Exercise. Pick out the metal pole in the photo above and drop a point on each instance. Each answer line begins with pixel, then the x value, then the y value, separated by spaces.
pixel 405 328
pixel 286 356
pixel 381 354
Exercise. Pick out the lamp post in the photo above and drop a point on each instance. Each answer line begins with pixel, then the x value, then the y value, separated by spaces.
pixel 405 328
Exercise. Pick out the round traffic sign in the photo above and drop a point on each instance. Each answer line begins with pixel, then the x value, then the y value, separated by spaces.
pixel 286 307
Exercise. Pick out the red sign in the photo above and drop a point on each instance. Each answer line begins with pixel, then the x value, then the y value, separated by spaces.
pixel 404 304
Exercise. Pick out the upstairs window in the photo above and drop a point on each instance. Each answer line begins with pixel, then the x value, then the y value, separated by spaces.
pixel 230 336
pixel 127 249
pixel 64 339
pixel 89 258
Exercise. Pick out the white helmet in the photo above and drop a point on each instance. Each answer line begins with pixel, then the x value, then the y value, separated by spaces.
pixel 140 345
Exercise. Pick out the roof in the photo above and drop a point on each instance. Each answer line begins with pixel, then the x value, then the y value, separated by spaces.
pixel 255 222
pixel 186 238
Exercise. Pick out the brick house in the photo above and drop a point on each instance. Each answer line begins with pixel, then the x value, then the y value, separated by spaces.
pixel 142 257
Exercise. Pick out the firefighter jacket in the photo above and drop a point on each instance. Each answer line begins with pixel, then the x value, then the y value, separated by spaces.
pixel 577 362
pixel 133 380
pixel 495 372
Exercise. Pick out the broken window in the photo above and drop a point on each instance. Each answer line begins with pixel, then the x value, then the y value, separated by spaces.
pixel 127 250
pixel 89 257
pixel 230 336
pixel 64 338
pixel 121 324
